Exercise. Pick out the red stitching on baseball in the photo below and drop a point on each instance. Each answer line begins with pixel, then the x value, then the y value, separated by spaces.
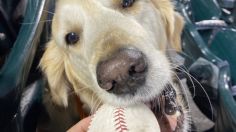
pixel 120 123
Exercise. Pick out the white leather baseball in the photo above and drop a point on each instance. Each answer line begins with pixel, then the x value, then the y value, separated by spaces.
pixel 137 118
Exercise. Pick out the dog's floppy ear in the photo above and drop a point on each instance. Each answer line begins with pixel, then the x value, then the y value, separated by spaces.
pixel 173 22
pixel 52 65
pixel 175 33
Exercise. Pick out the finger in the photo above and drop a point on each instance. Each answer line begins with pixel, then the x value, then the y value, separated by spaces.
pixel 81 126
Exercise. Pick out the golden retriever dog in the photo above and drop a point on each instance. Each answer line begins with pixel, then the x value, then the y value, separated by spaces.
pixel 112 51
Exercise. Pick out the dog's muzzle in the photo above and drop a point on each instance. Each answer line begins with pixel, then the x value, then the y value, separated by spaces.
pixel 123 72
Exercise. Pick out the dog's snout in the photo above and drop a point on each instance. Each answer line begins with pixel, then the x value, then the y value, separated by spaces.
pixel 123 72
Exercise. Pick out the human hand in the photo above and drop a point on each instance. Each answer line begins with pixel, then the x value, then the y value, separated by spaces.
pixel 81 126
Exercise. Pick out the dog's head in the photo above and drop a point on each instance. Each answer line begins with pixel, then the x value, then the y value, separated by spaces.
pixel 114 49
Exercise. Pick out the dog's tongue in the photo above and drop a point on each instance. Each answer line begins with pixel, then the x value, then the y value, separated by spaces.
pixel 173 120
pixel 168 123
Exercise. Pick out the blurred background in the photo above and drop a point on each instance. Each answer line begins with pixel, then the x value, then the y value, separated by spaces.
pixel 207 62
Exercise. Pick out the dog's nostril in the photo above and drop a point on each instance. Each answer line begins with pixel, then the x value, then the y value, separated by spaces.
pixel 139 68
pixel 107 85
pixel 132 70
pixel 113 84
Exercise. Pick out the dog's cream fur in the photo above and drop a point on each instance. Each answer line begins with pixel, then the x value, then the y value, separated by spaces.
pixel 104 26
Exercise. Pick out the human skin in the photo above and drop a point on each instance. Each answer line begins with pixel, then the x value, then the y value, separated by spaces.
pixel 81 126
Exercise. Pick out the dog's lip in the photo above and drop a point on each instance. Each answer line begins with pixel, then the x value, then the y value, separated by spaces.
pixel 168 121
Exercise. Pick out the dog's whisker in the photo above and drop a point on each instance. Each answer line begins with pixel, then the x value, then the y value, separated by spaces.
pixel 82 89
pixel 77 91
pixel 188 74
pixel 184 69
pixel 29 23
pixel 207 96
pixel 184 88
pixel 49 12
pixel 180 52
pixel 98 104
pixel 92 103
pixel 95 103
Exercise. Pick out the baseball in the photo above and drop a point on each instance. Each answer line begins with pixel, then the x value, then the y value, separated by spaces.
pixel 137 118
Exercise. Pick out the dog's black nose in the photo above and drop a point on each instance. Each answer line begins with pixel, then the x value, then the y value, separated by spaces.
pixel 123 72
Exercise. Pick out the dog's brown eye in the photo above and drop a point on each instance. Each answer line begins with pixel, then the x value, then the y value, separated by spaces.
pixel 72 38
pixel 127 3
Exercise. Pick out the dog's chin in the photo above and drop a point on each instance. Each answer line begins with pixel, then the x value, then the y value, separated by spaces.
pixel 164 105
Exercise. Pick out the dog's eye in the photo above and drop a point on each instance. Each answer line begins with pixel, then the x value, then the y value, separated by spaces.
pixel 72 38
pixel 127 3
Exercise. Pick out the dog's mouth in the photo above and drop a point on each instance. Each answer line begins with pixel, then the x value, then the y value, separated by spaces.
pixel 168 111
pixel 166 108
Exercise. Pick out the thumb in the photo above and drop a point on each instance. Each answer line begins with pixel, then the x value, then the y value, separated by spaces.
pixel 81 126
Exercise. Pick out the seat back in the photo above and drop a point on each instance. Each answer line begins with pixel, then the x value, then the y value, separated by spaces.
pixel 224 46
pixel 205 10
pixel 15 71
